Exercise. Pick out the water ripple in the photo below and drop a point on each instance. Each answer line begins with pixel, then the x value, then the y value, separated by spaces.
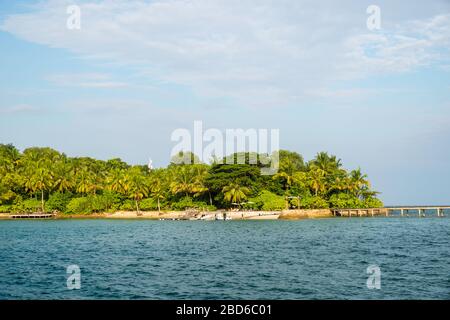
pixel 309 259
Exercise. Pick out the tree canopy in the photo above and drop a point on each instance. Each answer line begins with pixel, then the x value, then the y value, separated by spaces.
pixel 43 179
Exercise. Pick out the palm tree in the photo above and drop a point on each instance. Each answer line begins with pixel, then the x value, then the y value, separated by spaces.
pixel 326 162
pixel 8 182
pixel 116 181
pixel 85 182
pixel 29 186
pixel 358 182
pixel 9 157
pixel 41 181
pixel 183 180
pixel 286 178
pixel 63 177
pixel 157 190
pixel 137 186
pixel 235 193
pixel 199 186
pixel 158 185
pixel 317 181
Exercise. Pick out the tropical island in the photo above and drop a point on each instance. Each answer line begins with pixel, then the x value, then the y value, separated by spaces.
pixel 45 180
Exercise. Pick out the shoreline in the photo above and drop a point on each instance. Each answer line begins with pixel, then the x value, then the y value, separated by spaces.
pixel 290 214
pixel 155 215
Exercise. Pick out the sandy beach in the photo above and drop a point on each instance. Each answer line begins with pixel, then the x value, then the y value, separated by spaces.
pixel 189 215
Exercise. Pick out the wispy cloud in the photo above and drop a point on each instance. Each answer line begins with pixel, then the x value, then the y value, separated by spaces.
pixel 85 80
pixel 265 53
pixel 401 48
pixel 19 108
pixel 108 105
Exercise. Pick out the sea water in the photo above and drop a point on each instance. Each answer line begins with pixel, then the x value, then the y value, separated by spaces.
pixel 304 259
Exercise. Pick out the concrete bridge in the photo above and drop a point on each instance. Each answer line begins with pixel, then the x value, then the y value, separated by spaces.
pixel 387 211
pixel 420 210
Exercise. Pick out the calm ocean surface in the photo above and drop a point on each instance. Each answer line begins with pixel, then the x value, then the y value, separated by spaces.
pixel 307 259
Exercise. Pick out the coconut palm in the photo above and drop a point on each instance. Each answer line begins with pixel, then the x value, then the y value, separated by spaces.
pixel 235 193
pixel 137 186
pixel 63 180
pixel 285 178
pixel 326 162
pixel 158 193
pixel 116 181
pixel 41 181
pixel 183 180
pixel 85 182
pixel 9 157
pixel 199 186
pixel 317 181
pixel 157 189
pixel 358 182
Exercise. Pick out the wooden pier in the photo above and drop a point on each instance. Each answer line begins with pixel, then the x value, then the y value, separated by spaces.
pixel 33 216
pixel 405 211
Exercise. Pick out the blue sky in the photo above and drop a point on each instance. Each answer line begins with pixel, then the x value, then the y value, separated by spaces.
pixel 138 70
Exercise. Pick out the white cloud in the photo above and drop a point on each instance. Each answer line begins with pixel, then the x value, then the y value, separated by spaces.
pixel 260 53
pixel 402 48
pixel 107 105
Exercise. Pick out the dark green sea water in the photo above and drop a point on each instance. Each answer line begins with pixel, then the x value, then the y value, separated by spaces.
pixel 307 259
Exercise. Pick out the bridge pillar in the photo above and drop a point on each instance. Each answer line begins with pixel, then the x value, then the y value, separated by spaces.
pixel 401 212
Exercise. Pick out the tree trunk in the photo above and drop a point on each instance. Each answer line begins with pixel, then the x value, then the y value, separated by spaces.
pixel 42 201
pixel 137 207
pixel 210 198
pixel 159 207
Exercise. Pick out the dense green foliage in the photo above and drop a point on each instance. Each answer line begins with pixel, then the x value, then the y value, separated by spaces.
pixel 42 179
pixel 266 201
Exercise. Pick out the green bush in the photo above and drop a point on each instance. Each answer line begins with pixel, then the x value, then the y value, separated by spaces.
pixel 5 208
pixel 373 203
pixel 112 200
pixel 313 202
pixel 58 201
pixel 6 195
pixel 106 202
pixel 252 205
pixel 209 207
pixel 189 203
pixel 266 201
pixel 79 206
pixel 128 205
pixel 345 200
pixel 148 204
pixel 98 204
pixel 93 204
pixel 183 203
pixel 26 206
